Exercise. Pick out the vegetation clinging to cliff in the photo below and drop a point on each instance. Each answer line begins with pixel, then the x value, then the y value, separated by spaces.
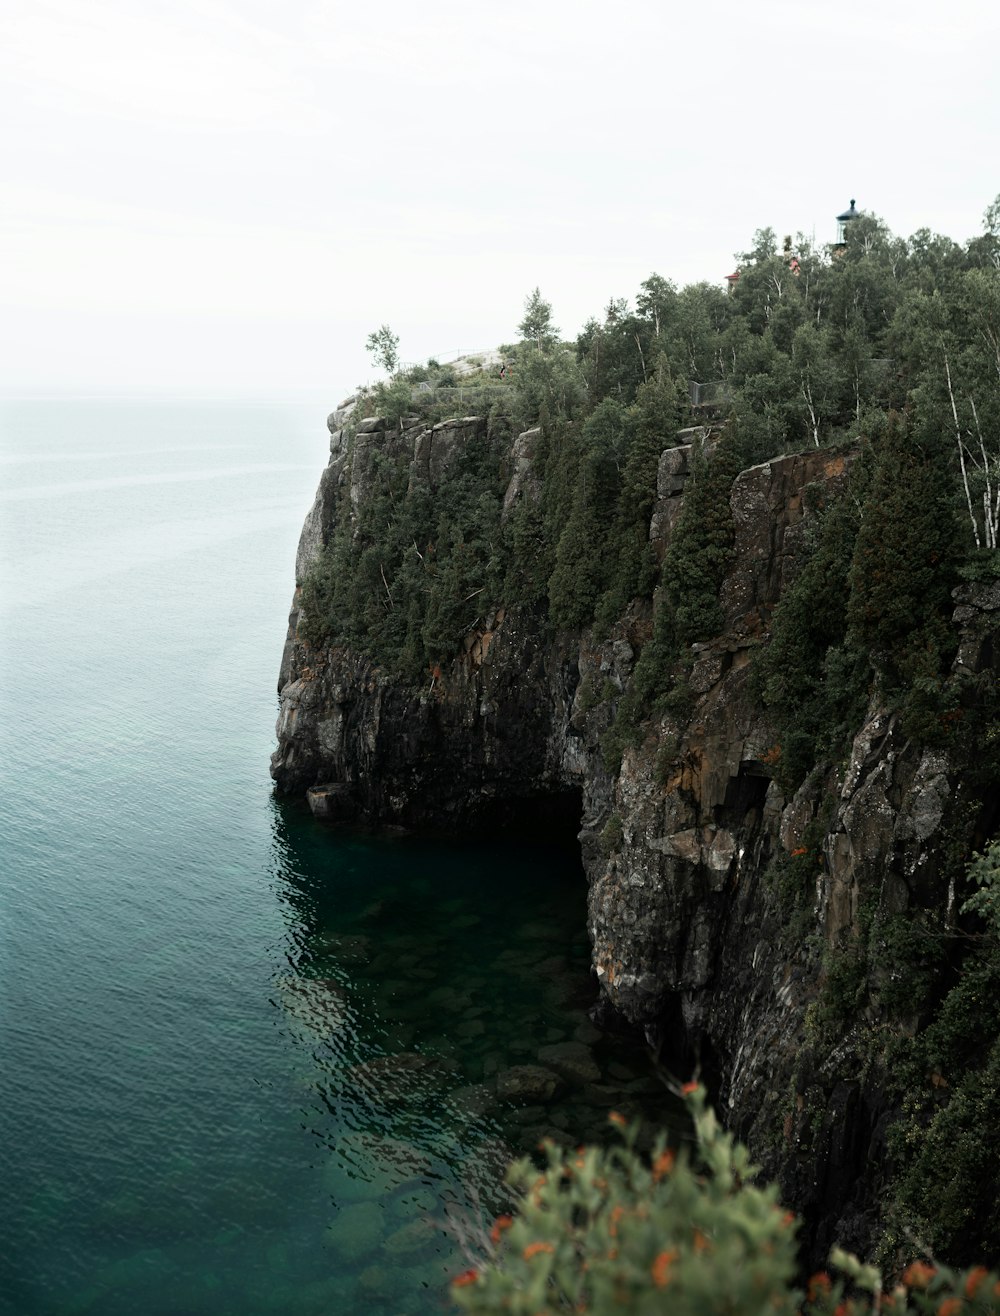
pixel 948 1079
pixel 892 353
pixel 804 350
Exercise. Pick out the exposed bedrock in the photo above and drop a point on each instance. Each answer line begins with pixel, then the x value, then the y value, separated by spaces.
pixel 689 941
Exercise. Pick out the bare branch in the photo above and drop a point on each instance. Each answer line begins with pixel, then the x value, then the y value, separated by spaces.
pixel 807 395
pixel 961 453
pixel 991 507
pixel 386 584
pixel 641 357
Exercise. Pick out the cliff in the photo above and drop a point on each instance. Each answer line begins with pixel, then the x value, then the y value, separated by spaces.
pixel 717 906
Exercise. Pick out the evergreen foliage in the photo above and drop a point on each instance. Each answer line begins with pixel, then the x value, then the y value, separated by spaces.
pixel 814 682
pixel 413 571
pixel 949 1080
pixel 537 326
pixel 890 353
pixel 581 568
pixel 804 351
pixel 902 571
pixel 873 598
pixel 701 544
pixel 632 569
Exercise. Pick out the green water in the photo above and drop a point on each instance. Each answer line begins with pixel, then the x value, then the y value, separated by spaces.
pixel 247 1065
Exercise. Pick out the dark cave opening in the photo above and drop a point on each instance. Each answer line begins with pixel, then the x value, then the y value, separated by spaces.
pixel 552 818
pixel 746 791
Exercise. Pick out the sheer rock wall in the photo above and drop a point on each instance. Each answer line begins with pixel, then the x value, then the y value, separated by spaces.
pixel 689 940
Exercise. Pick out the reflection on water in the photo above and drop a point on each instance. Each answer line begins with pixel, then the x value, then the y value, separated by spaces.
pixel 323 1047
pixel 441 994
pixel 246 1064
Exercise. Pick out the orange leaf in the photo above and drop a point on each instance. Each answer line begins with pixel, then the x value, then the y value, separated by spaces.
pixel 660 1269
pixel 663 1164
pixel 918 1275
pixel 973 1280
pixel 501 1223
pixel 533 1249
pixel 819 1284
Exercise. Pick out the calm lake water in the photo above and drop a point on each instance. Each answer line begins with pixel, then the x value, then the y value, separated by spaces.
pixel 247 1064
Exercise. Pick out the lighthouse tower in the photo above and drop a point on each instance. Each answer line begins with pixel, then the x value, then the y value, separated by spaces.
pixel 842 223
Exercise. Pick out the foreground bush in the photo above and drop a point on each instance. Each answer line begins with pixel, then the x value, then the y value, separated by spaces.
pixel 610 1230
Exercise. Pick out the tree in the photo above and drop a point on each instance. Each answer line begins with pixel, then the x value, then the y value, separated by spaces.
pixel 815 686
pixel 652 423
pixel 582 555
pixel 657 301
pixel 986 250
pixel 902 573
pixel 701 542
pixel 383 346
pixel 815 369
pixel 537 326
pixel 612 352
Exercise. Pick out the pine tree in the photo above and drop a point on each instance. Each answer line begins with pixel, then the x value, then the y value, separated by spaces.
pixel 904 569
pixel 537 326
pixel 582 563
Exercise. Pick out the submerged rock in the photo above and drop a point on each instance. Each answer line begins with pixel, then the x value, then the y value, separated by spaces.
pixel 320 1004
pixel 574 1061
pixel 691 945
pixel 411 1240
pixel 529 1085
pixel 357 1231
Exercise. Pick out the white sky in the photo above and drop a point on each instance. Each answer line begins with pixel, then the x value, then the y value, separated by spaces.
pixel 228 195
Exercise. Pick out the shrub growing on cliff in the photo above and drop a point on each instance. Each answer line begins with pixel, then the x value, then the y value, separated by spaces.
pixel 414 568
pixel 608 1230
pixel 903 571
pixel 815 684
pixel 687 603
pixel 582 555
pixel 948 1183
pixel 393 400
pixel 633 570
pixel 701 545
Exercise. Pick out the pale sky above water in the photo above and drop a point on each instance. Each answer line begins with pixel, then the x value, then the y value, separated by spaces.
pixel 228 195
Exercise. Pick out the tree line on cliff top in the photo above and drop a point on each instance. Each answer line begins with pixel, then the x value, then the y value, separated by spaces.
pixel 805 350
pixel 888 348
pixel 890 353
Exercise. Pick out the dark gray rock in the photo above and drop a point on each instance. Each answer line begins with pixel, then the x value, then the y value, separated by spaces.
pixel 529 1085
pixel 689 942
pixel 336 802
pixel 411 1240
pixel 574 1061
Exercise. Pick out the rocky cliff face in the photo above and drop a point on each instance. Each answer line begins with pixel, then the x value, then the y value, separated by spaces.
pixel 692 937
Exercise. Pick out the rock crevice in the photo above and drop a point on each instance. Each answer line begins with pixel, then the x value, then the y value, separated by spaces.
pixel 689 938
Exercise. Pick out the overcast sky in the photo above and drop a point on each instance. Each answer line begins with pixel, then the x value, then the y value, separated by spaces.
pixel 229 195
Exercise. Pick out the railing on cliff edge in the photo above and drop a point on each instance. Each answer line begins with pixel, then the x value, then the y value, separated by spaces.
pixel 716 393
pixel 427 390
